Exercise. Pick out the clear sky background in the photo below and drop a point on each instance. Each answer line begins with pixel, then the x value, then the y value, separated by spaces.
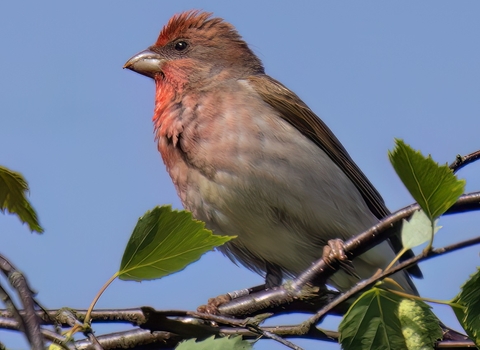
pixel 78 127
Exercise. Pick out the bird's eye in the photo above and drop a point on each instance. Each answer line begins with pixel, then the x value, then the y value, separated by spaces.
pixel 180 45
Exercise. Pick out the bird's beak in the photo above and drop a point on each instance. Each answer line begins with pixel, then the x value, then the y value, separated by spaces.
pixel 147 63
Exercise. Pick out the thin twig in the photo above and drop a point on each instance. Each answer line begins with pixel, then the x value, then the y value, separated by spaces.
pixel 94 341
pixel 460 161
pixel 275 337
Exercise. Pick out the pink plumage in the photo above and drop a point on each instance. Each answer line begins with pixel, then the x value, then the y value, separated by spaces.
pixel 249 158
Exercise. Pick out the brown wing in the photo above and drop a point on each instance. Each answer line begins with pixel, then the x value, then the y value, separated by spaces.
pixel 297 113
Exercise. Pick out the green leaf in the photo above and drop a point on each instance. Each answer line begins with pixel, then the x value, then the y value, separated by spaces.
pixel 380 319
pixel 372 323
pixel 13 189
pixel 467 308
pixel 212 343
pixel 417 230
pixel 433 186
pixel 165 241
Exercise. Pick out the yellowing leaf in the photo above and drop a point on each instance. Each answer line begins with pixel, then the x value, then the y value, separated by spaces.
pixel 380 319
pixel 420 327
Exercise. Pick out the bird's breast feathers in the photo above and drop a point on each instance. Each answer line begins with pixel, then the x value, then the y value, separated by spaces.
pixel 235 161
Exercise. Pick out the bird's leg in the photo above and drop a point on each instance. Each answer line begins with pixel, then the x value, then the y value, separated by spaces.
pixel 335 251
pixel 213 303
pixel 273 279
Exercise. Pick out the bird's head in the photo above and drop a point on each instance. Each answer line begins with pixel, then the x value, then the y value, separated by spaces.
pixel 194 47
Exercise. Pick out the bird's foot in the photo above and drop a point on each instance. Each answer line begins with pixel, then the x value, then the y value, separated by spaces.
pixel 335 252
pixel 213 303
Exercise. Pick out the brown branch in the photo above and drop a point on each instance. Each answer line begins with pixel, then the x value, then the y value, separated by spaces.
pixel 181 317
pixel 14 325
pixel 67 317
pixel 132 339
pixel 276 299
pixel 7 300
pixel 376 235
pixel 140 338
pixel 29 320
pixel 270 298
pixel 374 279
pixel 94 342
pixel 145 339
pixel 275 337
pixel 460 161
pixel 320 270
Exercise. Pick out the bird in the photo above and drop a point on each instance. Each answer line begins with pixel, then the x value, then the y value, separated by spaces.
pixel 249 158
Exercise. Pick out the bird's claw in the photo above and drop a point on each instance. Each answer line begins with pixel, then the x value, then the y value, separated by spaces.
pixel 335 251
pixel 213 304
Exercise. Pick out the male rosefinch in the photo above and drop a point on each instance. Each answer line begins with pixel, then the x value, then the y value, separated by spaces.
pixel 249 158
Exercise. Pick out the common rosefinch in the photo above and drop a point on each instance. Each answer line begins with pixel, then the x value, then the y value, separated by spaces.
pixel 249 158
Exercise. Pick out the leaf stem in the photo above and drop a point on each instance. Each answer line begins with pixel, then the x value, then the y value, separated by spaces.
pixel 428 300
pixel 430 243
pixel 399 255
pixel 86 321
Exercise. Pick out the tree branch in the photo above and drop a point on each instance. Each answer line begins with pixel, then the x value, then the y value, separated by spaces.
pixel 460 161
pixel 164 329
pixel 29 319
pixel 320 270
pixel 14 325
pixel 374 279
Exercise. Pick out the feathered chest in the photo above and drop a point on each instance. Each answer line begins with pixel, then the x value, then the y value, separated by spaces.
pixel 234 159
pixel 207 130
pixel 231 138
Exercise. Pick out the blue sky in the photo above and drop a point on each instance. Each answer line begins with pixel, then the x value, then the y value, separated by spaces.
pixel 79 128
